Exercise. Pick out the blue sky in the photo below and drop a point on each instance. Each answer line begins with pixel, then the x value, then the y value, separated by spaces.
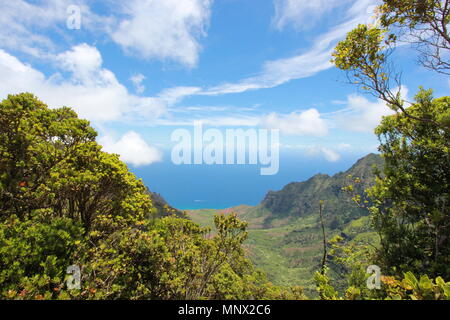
pixel 140 69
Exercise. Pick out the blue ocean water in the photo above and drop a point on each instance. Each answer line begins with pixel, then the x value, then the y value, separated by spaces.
pixel 223 186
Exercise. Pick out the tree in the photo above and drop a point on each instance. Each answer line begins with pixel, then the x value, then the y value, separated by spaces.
pixel 411 208
pixel 366 51
pixel 423 23
pixel 49 159
pixel 35 254
pixel 411 197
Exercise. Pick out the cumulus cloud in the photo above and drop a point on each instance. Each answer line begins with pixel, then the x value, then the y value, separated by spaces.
pixel 168 29
pixel 93 91
pixel 363 115
pixel 132 149
pixel 150 29
pixel 307 122
pixel 301 123
pixel 84 63
pixel 171 30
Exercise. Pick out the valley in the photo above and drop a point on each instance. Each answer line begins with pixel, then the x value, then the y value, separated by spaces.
pixel 285 239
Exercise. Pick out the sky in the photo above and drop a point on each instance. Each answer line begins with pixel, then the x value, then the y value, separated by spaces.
pixel 140 69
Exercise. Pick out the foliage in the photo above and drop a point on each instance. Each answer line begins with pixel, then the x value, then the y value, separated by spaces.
pixel 289 249
pixel 423 23
pixel 409 203
pixel 64 202
pixel 34 255
pixel 407 288
pixel 411 208
pixel 355 259
pixel 350 259
pixel 49 159
pixel 324 288
pixel 175 260
pixel 411 288
pixel 365 53
pixel 161 208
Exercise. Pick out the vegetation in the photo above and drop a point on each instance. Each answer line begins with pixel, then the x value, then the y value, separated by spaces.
pixel 285 234
pixel 409 203
pixel 303 198
pixel 365 55
pixel 411 208
pixel 65 202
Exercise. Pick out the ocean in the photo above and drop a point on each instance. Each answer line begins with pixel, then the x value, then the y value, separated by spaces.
pixel 224 186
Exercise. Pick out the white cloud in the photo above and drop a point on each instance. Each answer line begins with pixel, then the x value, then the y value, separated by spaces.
pixel 137 82
pixel 302 123
pixel 168 29
pixel 176 94
pixel 363 115
pixel 302 14
pixel 307 122
pixel 314 60
pixel 19 17
pixel 278 72
pixel 92 91
pixel 84 62
pixel 329 154
pixel 22 24
pixel 132 149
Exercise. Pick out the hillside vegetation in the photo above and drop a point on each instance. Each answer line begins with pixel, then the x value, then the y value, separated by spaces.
pixel 284 231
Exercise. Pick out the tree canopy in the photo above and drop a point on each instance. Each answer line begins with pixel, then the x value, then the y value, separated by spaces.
pixel 65 202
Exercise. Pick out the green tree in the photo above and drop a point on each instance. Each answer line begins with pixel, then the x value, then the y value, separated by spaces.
pixel 412 198
pixel 35 254
pixel 49 159
pixel 423 23
pixel 366 52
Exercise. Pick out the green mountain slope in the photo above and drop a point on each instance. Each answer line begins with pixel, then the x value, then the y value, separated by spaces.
pixel 285 240
pixel 300 199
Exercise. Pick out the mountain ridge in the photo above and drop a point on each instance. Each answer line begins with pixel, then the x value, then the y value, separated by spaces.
pixel 302 198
